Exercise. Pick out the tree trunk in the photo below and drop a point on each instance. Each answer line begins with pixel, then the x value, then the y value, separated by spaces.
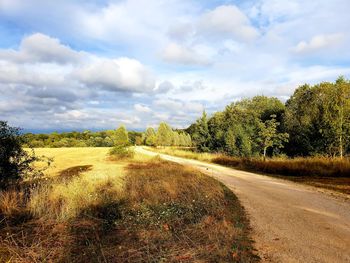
pixel 265 153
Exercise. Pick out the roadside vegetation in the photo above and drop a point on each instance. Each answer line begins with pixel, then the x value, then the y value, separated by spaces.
pixel 90 207
pixel 324 172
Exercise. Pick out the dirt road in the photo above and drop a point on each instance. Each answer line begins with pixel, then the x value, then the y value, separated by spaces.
pixel 291 222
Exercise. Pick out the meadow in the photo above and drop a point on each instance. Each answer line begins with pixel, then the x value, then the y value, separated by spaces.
pixel 322 172
pixel 91 207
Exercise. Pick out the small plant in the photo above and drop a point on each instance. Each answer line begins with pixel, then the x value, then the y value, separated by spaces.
pixel 121 152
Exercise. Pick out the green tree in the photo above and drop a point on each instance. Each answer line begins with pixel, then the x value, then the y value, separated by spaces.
pixel 121 136
pixel 164 135
pixel 201 135
pixel 175 138
pixel 150 137
pixel 269 136
pixel 341 108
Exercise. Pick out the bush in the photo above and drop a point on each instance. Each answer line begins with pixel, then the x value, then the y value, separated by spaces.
pixel 15 162
pixel 121 152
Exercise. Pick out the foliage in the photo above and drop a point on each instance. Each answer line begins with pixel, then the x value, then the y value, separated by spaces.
pixel 318 119
pixel 201 136
pixel 15 163
pixel 235 131
pixel 121 137
pixel 77 139
pixel 268 135
pixel 150 137
pixel 164 135
pixel 121 152
pixel 315 120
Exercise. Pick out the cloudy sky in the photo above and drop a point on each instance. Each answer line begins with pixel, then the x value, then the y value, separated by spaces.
pixel 97 64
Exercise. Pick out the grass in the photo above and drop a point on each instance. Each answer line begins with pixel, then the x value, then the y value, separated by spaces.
pixel 130 210
pixel 184 153
pixel 328 173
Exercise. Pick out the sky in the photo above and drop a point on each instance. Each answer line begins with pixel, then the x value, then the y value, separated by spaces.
pixel 76 65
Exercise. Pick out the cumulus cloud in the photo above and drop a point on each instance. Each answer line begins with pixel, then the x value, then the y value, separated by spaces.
pixel 319 42
pixel 122 74
pixel 227 21
pixel 41 48
pixel 92 58
pixel 176 53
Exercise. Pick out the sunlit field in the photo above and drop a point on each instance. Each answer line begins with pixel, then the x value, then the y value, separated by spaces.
pixel 91 207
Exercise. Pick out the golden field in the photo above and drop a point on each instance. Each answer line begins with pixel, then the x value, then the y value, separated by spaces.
pixel 94 208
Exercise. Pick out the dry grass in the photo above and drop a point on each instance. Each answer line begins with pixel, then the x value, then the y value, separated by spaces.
pixel 102 211
pixel 328 173
pixel 184 153
pixel 317 166
pixel 196 218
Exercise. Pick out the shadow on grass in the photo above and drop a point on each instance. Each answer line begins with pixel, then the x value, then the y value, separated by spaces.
pixel 165 213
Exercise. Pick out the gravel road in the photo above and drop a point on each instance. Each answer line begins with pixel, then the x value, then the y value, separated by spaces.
pixel 290 222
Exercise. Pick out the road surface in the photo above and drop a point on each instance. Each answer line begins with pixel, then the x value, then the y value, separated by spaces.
pixel 290 222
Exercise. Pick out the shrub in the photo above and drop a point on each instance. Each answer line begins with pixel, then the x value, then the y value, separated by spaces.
pixel 15 162
pixel 121 152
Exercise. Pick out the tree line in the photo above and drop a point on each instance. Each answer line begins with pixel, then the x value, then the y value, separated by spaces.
pixel 163 136
pixel 315 120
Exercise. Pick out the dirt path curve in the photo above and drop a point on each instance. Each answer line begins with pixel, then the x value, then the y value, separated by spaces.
pixel 291 222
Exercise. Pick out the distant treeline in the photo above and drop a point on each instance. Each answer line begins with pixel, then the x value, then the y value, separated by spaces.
pixel 163 136
pixel 315 120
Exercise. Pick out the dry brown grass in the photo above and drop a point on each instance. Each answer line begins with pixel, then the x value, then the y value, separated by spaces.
pixel 184 153
pixel 151 211
pixel 196 218
pixel 328 173
pixel 317 166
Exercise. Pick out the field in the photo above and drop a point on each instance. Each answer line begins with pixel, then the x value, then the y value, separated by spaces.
pixel 327 173
pixel 90 207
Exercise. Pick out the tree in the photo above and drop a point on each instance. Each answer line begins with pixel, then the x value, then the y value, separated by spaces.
pixel 164 135
pixel 268 135
pixel 175 138
pixel 15 162
pixel 318 118
pixel 201 134
pixel 121 136
pixel 341 96
pixel 150 137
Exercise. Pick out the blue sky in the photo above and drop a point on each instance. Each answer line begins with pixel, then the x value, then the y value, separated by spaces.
pixel 74 65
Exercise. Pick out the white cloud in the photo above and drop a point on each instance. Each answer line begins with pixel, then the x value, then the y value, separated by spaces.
pixel 142 108
pixel 319 42
pixel 255 47
pixel 227 21
pixel 122 74
pixel 175 53
pixel 41 48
